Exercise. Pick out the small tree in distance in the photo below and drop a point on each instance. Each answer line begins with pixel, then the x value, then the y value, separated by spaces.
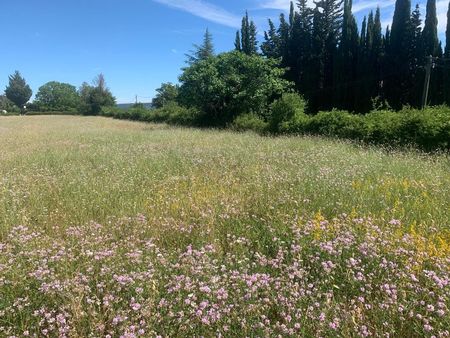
pixel 57 96
pixel 168 92
pixel 18 91
pixel 94 98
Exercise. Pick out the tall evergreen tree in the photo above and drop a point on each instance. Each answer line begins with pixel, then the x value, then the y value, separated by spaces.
pixel 204 51
pixel 249 42
pixel 237 42
pixel 417 58
pixel 447 61
pixel 431 46
pixel 430 30
pixel 346 62
pixel 326 36
pixel 398 62
pixel 271 46
pixel 18 91
pixel 447 34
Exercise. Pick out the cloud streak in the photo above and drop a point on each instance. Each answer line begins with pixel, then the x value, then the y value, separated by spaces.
pixel 204 10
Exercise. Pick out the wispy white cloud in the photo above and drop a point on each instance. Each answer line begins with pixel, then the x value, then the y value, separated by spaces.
pixel 357 5
pixel 205 11
pixel 282 5
pixel 362 5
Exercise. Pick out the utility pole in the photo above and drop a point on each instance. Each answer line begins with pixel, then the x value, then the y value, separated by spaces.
pixel 136 100
pixel 426 86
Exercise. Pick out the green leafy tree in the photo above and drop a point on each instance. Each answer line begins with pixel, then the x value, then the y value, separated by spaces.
pixel 95 97
pixel 57 96
pixel 167 93
pixel 6 104
pixel 18 91
pixel 203 51
pixel 231 84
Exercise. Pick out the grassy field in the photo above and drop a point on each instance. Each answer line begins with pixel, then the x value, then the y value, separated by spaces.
pixel 120 229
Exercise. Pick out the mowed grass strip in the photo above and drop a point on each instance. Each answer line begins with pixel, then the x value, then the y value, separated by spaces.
pixel 130 229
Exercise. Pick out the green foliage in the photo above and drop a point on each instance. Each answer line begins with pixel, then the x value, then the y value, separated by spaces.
pixel 202 52
pixel 290 107
pixel 168 92
pixel 56 96
pixel 94 98
pixel 247 43
pixel 425 129
pixel 338 124
pixel 18 91
pixel 249 122
pixel 7 105
pixel 231 84
pixel 171 113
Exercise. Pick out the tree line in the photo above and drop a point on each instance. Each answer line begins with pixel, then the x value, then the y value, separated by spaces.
pixel 57 97
pixel 336 65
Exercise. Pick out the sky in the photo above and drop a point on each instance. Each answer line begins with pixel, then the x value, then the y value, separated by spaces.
pixel 136 44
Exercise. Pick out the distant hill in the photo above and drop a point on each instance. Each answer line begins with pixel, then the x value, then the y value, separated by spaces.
pixel 129 105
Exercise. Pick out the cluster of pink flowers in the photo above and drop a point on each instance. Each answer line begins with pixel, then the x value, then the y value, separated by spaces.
pixel 342 277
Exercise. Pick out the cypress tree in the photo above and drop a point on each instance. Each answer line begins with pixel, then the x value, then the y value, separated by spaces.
pixel 447 34
pixel 253 46
pixel 248 41
pixel 271 45
pixel 430 30
pixel 398 61
pixel 346 62
pixel 18 91
pixel 300 47
pixel 431 46
pixel 447 61
pixel 377 56
pixel 362 40
pixel 237 42
pixel 328 19
pixel 417 58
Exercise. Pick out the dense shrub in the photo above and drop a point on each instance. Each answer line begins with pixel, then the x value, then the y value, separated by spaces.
pixel 171 113
pixel 249 122
pixel 338 123
pixel 230 84
pixel 290 107
pixel 427 129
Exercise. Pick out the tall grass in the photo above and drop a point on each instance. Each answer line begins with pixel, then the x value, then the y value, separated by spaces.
pixel 121 228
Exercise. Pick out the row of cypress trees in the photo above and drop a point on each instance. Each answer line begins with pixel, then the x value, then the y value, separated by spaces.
pixel 336 65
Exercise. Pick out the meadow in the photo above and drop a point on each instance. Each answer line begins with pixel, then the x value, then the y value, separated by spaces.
pixel 113 228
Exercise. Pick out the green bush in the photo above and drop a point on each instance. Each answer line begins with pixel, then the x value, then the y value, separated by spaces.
pixel 289 108
pixel 249 122
pixel 171 113
pixel 337 123
pixel 231 84
pixel 427 129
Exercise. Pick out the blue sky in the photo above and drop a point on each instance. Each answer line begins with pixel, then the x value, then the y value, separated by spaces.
pixel 136 44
